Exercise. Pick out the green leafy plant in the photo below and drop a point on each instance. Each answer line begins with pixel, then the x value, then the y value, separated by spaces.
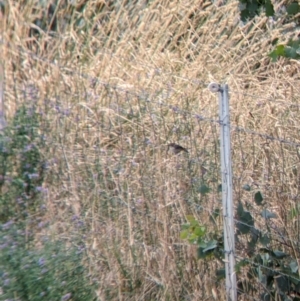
pixel 197 234
pixel 276 270
pixel 45 271
pixel 290 50
pixel 193 231
pixel 251 8
pixel 22 166
pixel 32 268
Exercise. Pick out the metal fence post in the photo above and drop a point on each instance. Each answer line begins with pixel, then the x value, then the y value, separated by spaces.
pixel 225 150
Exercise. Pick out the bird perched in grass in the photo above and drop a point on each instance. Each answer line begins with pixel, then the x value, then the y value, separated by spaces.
pixel 176 149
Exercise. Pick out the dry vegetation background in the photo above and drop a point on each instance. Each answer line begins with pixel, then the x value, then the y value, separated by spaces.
pixel 116 81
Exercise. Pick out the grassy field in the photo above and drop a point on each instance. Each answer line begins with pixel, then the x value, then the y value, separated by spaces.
pixel 115 83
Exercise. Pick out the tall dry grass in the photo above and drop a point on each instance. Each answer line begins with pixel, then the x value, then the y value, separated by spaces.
pixel 117 82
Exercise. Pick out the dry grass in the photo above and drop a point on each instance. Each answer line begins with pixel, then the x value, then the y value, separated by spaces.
pixel 108 160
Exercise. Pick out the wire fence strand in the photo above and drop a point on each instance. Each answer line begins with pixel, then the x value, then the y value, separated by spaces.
pixel 122 147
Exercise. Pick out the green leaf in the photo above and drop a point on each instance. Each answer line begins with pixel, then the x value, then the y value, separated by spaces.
pixel 204 254
pixel 220 273
pixel 18 182
pixel 245 223
pixel 190 218
pixel 267 214
pixel 200 231
pixel 185 226
pixel 200 253
pixel 280 50
pixel 283 283
pixel 294 212
pixel 247 187
pixel 275 41
pixel 273 55
pixel 244 13
pixel 279 254
pixel 211 245
pixel 293 43
pixel 192 238
pixel 293 8
pixel 202 244
pixel 216 213
pixel 258 198
pixel 255 234
pixel 294 266
pixel 207 249
pixel 264 240
pixel 240 209
pixel 290 52
pixel 250 9
pixel 184 234
pixel 193 224
pixel 203 189
pixel 269 8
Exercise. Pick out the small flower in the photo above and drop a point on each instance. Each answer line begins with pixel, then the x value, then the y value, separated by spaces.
pixel 20 201
pixel 33 176
pixel 199 117
pixel 7 225
pixel 40 189
pixel 80 249
pixel 66 112
pixel 43 207
pixel 66 297
pixel 27 148
pixel 42 261
pixel 147 141
pixel 175 109
pixel 41 224
pixel 3 246
pixel 75 217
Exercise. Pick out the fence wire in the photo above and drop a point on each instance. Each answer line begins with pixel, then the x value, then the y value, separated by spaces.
pixel 110 154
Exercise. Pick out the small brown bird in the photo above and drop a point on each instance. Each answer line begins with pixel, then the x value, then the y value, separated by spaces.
pixel 176 149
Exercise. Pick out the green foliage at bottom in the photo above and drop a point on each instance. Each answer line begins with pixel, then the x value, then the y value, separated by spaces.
pixel 272 274
pixel 291 50
pixel 40 271
pixel 22 166
pixel 31 269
